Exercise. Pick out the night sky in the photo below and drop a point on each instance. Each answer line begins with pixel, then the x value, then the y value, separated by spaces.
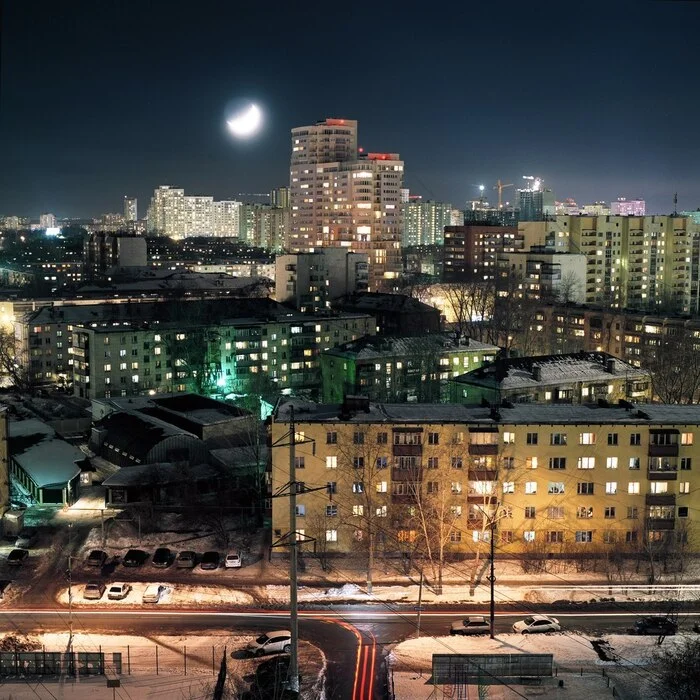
pixel 111 97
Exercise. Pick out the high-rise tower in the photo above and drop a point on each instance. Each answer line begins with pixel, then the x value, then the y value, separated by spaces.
pixel 346 198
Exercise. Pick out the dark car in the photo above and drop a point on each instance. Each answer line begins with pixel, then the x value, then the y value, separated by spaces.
pixel 17 556
pixel 656 625
pixel 210 560
pixel 186 560
pixel 162 557
pixel 134 557
pixel 96 558
pixel 27 537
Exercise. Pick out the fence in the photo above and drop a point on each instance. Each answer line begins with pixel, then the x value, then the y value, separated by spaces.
pixel 487 669
pixel 115 661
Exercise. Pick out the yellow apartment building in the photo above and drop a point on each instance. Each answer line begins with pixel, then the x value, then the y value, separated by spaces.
pixel 422 479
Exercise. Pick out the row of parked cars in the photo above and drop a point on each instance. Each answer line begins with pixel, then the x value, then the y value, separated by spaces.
pixel 94 590
pixel 164 557
pixel 658 625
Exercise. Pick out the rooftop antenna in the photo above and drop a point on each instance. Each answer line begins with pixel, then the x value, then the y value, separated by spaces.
pixel 675 204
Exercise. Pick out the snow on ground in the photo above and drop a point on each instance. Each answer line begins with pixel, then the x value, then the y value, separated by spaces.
pixel 175 595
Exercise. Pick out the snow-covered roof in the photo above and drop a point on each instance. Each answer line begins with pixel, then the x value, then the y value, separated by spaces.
pixel 522 414
pixel 48 460
pixel 371 347
pixel 551 370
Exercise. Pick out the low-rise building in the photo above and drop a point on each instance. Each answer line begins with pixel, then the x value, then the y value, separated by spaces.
pixel 396 314
pixel 44 469
pixel 573 378
pixel 576 480
pixel 397 369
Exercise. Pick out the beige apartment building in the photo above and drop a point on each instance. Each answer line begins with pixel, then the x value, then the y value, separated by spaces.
pixel 640 262
pixel 574 480
pixel 343 197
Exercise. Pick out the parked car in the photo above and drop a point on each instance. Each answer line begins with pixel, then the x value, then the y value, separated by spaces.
pixel 537 623
pixel 153 593
pixel 4 586
pixel 186 560
pixel 233 560
pixel 134 557
pixel 655 624
pixel 17 556
pixel 93 590
pixel 162 557
pixel 96 558
pixel 271 643
pixel 118 591
pixel 27 537
pixel 474 624
pixel 210 560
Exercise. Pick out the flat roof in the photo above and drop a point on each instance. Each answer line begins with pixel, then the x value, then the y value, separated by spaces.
pixel 519 414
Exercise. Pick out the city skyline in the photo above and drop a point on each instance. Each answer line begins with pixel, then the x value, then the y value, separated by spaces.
pixel 536 96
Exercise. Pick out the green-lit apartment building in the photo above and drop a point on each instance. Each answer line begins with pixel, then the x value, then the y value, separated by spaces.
pixel 398 369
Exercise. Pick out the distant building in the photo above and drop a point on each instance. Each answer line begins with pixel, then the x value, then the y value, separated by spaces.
pixel 596 209
pixel 472 251
pixel 545 274
pixel 311 281
pixel 395 314
pixel 264 226
pixel 47 221
pixel 104 251
pixel 564 379
pixel 628 207
pixel 535 203
pixel 111 223
pixel 226 218
pixel 399 369
pixel 131 212
pixel 341 197
pixel 279 197
pixel 424 222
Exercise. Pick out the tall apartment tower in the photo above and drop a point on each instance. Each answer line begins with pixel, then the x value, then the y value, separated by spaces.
pixel 130 209
pixel 279 197
pixel 340 197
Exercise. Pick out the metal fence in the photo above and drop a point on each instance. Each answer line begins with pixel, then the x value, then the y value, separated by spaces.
pixel 488 669
pixel 118 661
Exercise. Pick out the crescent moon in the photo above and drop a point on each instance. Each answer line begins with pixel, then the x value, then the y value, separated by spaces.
pixel 245 123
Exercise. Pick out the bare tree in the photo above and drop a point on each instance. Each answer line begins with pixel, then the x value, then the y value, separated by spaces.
pixel 468 306
pixel 674 366
pixel 11 364
pixel 677 673
pixel 570 287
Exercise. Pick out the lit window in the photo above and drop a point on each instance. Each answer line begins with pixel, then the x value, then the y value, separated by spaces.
pixel 611 463
pixel 530 487
pixel 611 487
pixel 633 487
pixel 331 462
pixel 331 535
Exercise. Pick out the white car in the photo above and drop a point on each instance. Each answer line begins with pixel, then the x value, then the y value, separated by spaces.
pixel 233 561
pixel 276 642
pixel 118 591
pixel 153 593
pixel 537 623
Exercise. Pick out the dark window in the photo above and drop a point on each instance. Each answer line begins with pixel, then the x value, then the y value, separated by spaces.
pixel 612 438
pixel 585 488
pixel 332 438
pixel 531 438
pixel 635 439
pixel 529 511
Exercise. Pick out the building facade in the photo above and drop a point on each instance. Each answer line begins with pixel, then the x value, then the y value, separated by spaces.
pixel 560 379
pixel 399 369
pixel 472 251
pixel 628 207
pixel 310 281
pixel 345 198
pixel 424 222
pixel 559 481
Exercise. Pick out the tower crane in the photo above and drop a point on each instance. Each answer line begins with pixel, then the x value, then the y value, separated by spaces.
pixel 500 186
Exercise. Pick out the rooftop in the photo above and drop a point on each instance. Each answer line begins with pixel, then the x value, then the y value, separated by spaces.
pixel 369 347
pixel 48 460
pixel 160 473
pixel 377 301
pixel 544 370
pixel 519 414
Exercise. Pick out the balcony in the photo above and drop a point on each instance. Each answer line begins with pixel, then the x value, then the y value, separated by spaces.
pixel 663 450
pixel 483 475
pixel 408 450
pixel 483 449
pixel 660 524
pixel 660 499
pixel 414 474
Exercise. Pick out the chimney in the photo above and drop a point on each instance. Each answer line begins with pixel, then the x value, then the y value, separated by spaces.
pixel 610 365
pixel 537 373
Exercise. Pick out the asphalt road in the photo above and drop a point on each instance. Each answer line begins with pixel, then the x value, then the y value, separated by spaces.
pixel 355 639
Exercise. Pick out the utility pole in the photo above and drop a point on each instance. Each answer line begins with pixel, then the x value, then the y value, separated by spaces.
pixel 293 607
pixel 70 591
pixel 492 580
pixel 420 608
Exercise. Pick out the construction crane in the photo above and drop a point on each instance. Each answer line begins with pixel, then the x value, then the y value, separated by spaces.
pixel 500 186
